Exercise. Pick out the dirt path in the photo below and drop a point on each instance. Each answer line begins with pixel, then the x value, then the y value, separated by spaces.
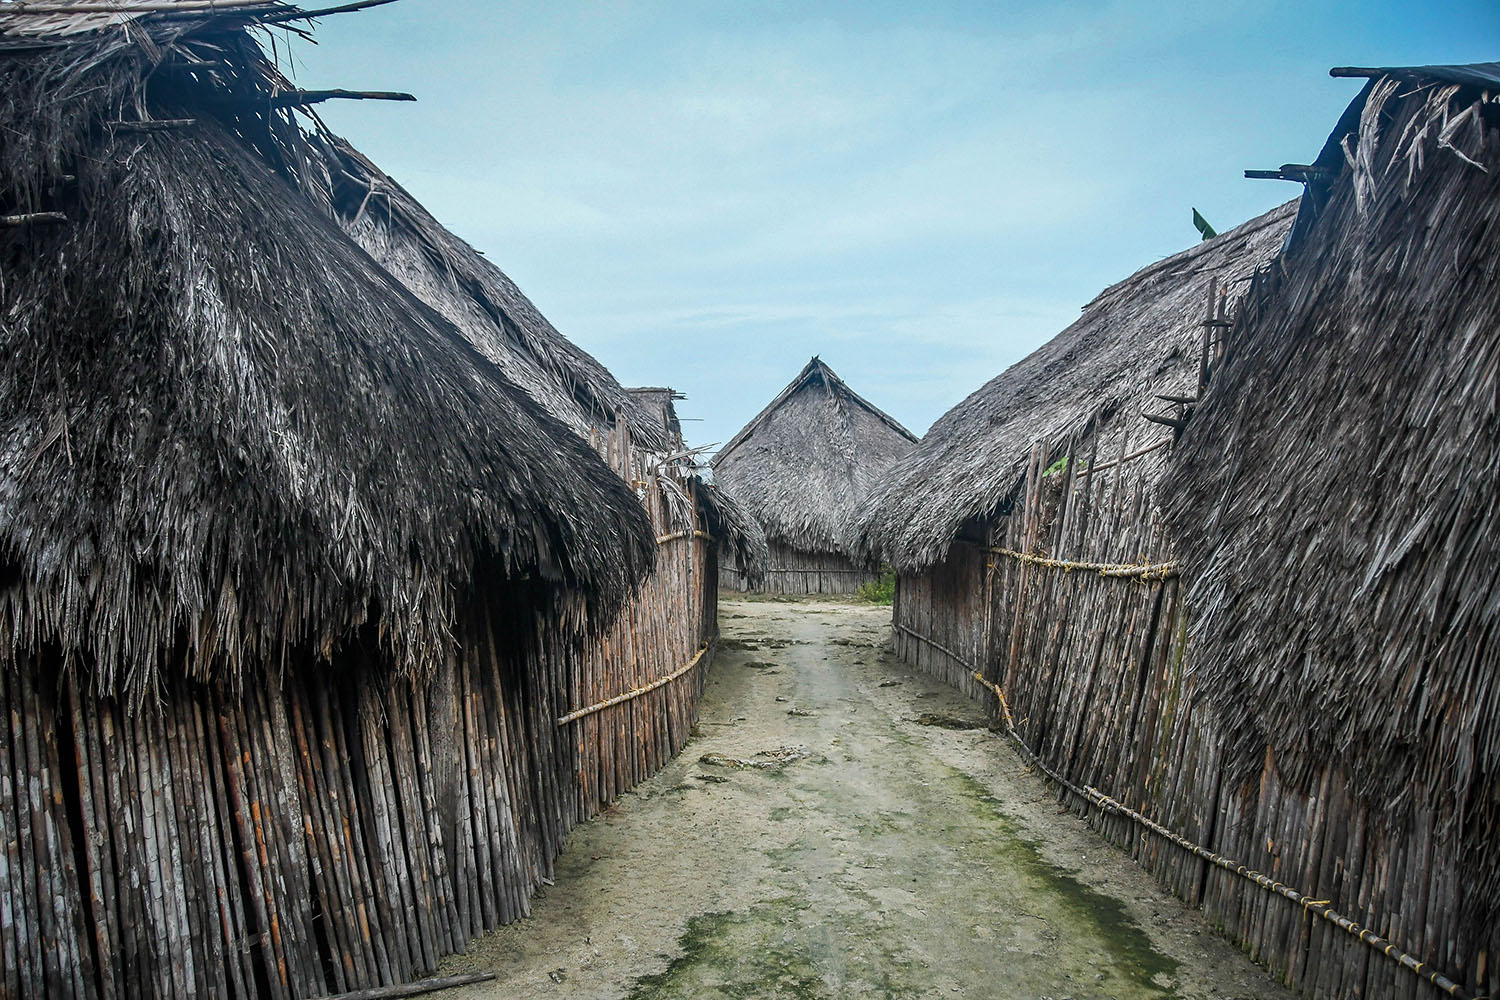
pixel 862 853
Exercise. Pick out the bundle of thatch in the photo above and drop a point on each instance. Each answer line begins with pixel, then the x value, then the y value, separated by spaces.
pixel 1334 500
pixel 1136 342
pixel 806 462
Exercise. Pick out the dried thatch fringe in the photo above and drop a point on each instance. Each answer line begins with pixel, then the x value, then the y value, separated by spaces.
pixel 1376 633
pixel 1147 572
pixel 637 692
pixel 1095 797
pixel 260 526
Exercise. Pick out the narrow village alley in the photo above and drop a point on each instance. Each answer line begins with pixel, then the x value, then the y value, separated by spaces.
pixel 842 827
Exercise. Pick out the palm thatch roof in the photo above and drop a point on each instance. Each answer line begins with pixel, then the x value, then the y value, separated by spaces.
pixel 1333 501
pixel 479 299
pixel 1136 340
pixel 806 460
pixel 740 536
pixel 227 435
pixel 660 404
pixel 502 324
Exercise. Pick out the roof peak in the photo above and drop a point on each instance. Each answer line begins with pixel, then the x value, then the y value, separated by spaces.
pixel 831 378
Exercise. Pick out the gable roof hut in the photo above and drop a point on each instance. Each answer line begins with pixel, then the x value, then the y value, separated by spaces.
pixel 278 547
pixel 801 466
pixel 228 376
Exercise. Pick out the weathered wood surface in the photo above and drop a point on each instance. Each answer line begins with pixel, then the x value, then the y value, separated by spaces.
pixel 794 571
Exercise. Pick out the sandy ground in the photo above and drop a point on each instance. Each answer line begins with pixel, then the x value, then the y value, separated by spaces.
pixel 857 853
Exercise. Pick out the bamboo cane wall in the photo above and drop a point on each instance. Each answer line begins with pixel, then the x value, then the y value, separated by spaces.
pixel 337 829
pixel 791 570
pixel 1096 670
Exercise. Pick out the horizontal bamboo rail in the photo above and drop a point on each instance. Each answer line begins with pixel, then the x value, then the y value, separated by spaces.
pixel 1148 572
pixel 664 539
pixel 1106 803
pixel 1318 906
pixel 830 572
pixel 940 648
pixel 637 692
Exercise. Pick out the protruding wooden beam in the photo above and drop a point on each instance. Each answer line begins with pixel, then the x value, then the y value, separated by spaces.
pixel 303 15
pixel 1176 423
pixel 1301 173
pixel 302 98
pixel 161 125
pixel 1169 397
pixel 33 219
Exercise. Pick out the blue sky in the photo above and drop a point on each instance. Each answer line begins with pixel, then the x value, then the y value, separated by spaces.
pixel 705 194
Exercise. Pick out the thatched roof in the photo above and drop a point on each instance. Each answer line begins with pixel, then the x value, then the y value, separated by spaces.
pixel 500 322
pixel 1138 338
pixel 739 535
pixel 660 404
pixel 1334 500
pixel 806 461
pixel 477 297
pixel 228 435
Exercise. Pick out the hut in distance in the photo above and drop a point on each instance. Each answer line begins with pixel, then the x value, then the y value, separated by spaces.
pixel 801 468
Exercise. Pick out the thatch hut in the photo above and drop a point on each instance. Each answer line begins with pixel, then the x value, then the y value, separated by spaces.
pixel 801 468
pixel 1138 341
pixel 1249 634
pixel 297 587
